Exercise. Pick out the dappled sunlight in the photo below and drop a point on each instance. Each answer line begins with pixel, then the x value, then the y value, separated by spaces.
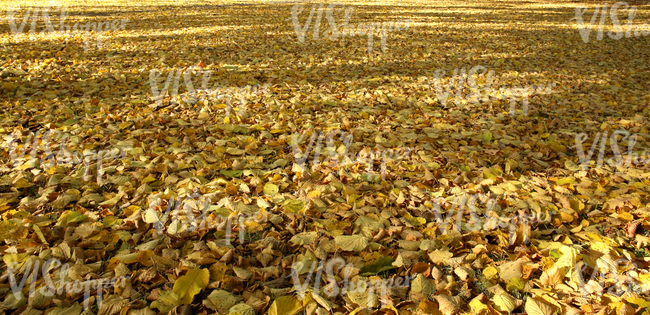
pixel 274 157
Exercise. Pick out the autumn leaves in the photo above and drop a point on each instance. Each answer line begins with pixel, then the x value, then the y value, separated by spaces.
pixel 59 287
pixel 183 220
pixel 627 159
pixel 485 93
pixel 46 140
pixel 193 95
pixel 456 82
pixel 345 29
pixel 32 16
pixel 340 156
pixel 366 289
pixel 628 30
pixel 344 162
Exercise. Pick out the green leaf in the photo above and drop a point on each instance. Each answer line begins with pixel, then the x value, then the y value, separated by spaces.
pixel 241 309
pixel 280 163
pixel 70 122
pixel 294 206
pixel 239 129
pixel 487 137
pixel 111 220
pixel 231 173
pixel 555 253
pixel 487 174
pixel 11 302
pixel 271 189
pixel 382 264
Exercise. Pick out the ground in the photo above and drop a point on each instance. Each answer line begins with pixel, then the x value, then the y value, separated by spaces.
pixel 223 156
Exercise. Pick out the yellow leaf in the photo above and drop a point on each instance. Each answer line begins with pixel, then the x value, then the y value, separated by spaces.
pixel 166 302
pixel 314 194
pixel 497 190
pixel 150 216
pixel 148 179
pixel 304 238
pixel 416 221
pixel 285 305
pixel 363 299
pixel 428 307
pixel 568 259
pixel 440 256
pixel 448 305
pixel 38 232
pixel 234 151
pixel 323 302
pixel 191 284
pixel 568 180
pixel 125 125
pixel 626 216
pixel 504 302
pixel 204 115
pixel 515 284
pixel 490 273
pixel 551 276
pixel 534 307
pixel 478 307
pixel 15 258
pixel 639 301
pixel 130 210
pixel 422 284
pixel 353 243
pixel 220 300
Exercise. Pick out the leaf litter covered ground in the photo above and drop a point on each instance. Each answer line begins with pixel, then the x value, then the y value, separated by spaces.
pixel 245 163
